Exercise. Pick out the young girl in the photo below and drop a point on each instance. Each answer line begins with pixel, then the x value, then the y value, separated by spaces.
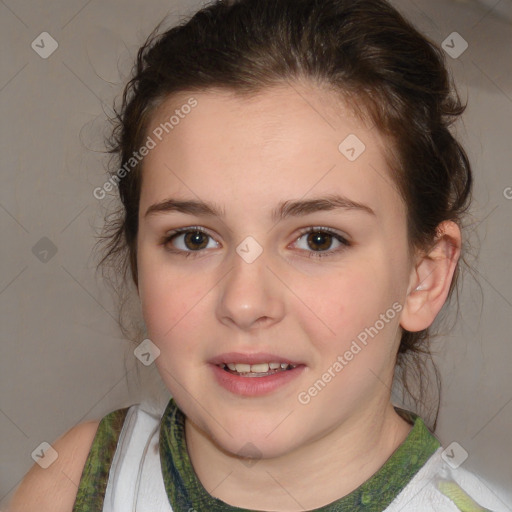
pixel 291 202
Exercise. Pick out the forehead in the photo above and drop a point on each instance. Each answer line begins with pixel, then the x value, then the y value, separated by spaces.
pixel 284 141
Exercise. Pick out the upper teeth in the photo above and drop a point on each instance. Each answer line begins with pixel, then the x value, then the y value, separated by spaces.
pixel 257 368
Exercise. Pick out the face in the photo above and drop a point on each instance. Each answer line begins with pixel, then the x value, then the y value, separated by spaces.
pixel 266 236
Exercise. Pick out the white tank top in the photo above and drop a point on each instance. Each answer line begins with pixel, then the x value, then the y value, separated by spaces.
pixel 136 483
pixel 135 480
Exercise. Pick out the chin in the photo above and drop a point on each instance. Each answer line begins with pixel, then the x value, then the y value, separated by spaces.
pixel 253 441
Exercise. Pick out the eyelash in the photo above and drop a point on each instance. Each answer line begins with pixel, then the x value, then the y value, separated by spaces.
pixel 311 254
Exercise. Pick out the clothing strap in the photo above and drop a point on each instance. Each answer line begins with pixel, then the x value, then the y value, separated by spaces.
pixel 93 483
pixel 460 498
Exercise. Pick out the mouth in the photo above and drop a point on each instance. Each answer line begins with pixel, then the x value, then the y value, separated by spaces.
pixel 254 375
pixel 256 370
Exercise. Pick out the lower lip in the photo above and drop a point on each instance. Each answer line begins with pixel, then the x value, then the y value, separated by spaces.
pixel 255 386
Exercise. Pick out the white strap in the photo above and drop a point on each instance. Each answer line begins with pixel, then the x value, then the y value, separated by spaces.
pixel 135 480
pixel 422 494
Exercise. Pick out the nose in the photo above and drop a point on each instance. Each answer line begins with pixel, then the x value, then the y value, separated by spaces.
pixel 250 296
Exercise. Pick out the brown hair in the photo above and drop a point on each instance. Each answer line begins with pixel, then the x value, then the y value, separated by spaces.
pixel 359 49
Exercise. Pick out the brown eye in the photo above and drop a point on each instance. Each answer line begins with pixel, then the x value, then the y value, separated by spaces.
pixel 195 240
pixel 188 241
pixel 319 240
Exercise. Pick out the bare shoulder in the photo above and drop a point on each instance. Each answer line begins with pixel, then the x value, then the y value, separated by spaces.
pixel 55 488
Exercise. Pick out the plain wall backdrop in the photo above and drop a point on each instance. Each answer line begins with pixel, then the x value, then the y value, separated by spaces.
pixel 63 359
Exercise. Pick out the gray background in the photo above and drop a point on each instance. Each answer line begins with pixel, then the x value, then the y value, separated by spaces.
pixel 63 359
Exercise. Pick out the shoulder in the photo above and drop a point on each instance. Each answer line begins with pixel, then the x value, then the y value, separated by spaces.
pixel 84 455
pixel 54 488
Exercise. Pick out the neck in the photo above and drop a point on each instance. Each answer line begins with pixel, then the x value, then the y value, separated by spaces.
pixel 341 460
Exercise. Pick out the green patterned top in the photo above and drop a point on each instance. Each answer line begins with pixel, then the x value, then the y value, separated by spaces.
pixel 185 492
pixel 93 483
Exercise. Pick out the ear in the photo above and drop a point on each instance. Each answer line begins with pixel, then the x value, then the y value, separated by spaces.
pixel 431 278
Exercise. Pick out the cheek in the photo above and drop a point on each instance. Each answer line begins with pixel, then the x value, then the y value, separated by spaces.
pixel 169 300
pixel 168 308
pixel 353 303
pixel 173 319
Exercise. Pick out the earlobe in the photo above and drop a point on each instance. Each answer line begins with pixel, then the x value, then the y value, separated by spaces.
pixel 431 279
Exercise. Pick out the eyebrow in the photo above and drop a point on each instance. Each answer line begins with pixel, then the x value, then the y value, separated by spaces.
pixel 297 208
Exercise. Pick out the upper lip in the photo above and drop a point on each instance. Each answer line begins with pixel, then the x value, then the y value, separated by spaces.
pixel 260 357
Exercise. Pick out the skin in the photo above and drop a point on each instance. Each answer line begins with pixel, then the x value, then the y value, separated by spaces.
pixel 54 489
pixel 247 155
pixel 243 154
